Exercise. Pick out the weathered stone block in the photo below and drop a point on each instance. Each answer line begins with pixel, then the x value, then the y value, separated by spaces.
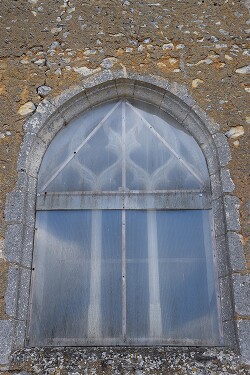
pixel 211 125
pixel 232 214
pixel 32 183
pixel 29 217
pixel 226 299
pixel 13 242
pixel 27 246
pixel 244 341
pixel 55 124
pixel 101 94
pixel 222 256
pixel 125 88
pixel 216 185
pixel 211 156
pixel 43 113
pixel 11 291
pixel 229 337
pixel 6 334
pixel 223 148
pixel 67 96
pixel 218 215
pixel 22 181
pixel 175 109
pixel 74 107
pixel 237 259
pixel 150 95
pixel 23 298
pixel 20 328
pixel 28 140
pixel 227 183
pixel 14 210
pixel 37 151
pixel 241 286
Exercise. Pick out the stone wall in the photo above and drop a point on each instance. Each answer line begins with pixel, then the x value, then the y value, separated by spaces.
pixel 48 47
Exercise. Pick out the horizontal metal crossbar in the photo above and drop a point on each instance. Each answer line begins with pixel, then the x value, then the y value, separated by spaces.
pixel 186 200
pixel 119 341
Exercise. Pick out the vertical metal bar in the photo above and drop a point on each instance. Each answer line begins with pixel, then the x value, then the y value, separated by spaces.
pixel 155 319
pixel 208 254
pixel 123 146
pixel 124 306
pixel 94 310
pixel 211 263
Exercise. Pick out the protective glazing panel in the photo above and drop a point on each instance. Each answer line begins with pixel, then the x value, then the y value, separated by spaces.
pixel 68 142
pixel 100 280
pixel 111 265
pixel 123 146
pixel 137 292
pixel 183 149
pixel 92 159
pixel 156 157
pixel 188 292
pixel 76 287
pixel 171 288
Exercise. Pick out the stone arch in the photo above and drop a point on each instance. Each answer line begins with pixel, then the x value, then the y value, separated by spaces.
pixel 40 129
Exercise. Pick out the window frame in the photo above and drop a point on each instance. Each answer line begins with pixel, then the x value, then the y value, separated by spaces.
pixel 40 130
pixel 167 200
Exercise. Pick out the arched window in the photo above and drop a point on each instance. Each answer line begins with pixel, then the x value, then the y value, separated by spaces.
pixel 123 251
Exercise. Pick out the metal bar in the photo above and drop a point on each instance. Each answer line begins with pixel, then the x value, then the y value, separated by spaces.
pixel 80 146
pixel 152 129
pixel 169 260
pixel 118 341
pixel 155 319
pixel 123 192
pixel 161 201
pixel 212 276
pixel 124 304
pixel 94 310
pixel 123 147
pixel 215 267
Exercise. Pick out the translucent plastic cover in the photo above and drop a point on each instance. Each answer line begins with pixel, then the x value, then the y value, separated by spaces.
pixel 123 251
pixel 123 146
pixel 111 277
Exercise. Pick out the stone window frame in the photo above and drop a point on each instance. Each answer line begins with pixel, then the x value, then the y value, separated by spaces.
pixel 40 129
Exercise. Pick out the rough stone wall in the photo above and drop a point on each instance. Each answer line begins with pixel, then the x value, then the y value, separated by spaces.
pixel 120 361
pixel 48 46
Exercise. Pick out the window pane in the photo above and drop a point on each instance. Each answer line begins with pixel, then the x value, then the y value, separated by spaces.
pixel 61 151
pixel 137 292
pixel 171 285
pixel 123 146
pixel 174 136
pixel 161 155
pixel 111 280
pixel 76 287
pixel 61 276
pixel 186 270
